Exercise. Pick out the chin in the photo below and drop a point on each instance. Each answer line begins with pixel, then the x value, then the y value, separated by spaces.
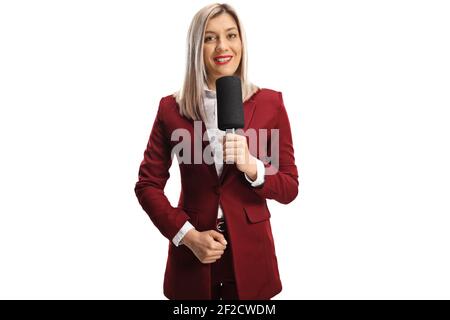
pixel 223 73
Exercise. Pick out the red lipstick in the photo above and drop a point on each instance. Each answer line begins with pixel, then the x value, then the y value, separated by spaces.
pixel 225 59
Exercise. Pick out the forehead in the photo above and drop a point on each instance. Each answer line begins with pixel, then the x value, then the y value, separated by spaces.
pixel 222 22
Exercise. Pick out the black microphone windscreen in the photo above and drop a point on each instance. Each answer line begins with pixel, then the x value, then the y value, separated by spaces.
pixel 230 112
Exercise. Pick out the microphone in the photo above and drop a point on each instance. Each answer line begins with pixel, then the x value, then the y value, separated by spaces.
pixel 230 112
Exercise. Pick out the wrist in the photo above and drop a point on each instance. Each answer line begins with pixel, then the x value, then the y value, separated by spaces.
pixel 252 170
pixel 189 237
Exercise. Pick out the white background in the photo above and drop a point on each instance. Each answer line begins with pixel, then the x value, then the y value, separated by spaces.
pixel 365 83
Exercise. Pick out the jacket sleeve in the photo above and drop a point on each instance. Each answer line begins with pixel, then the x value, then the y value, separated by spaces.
pixel 283 185
pixel 153 175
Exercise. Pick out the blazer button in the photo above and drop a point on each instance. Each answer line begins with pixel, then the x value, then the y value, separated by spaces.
pixel 217 190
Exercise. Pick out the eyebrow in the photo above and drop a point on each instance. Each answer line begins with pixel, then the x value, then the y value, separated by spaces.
pixel 208 31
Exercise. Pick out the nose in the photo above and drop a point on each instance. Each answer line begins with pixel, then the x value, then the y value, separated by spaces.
pixel 222 45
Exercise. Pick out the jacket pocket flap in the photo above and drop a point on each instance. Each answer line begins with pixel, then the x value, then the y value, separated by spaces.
pixel 257 212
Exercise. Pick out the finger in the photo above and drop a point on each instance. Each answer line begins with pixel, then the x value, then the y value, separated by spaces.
pixel 215 257
pixel 215 252
pixel 232 143
pixel 232 137
pixel 208 261
pixel 227 152
pixel 218 236
pixel 230 159
pixel 234 153
pixel 234 150
pixel 217 246
pixel 230 148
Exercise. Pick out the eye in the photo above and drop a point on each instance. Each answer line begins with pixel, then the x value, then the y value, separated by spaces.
pixel 209 38
pixel 232 35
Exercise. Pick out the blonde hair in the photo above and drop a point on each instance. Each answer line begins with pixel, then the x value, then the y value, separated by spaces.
pixel 190 97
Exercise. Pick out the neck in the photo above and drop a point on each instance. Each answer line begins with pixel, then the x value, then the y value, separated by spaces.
pixel 212 85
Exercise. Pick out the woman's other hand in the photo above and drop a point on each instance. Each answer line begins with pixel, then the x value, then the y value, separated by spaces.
pixel 208 246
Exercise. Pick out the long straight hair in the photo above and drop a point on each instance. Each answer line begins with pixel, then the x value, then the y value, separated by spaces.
pixel 190 97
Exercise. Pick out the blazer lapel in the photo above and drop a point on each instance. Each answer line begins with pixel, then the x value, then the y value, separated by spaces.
pixel 249 109
pixel 205 144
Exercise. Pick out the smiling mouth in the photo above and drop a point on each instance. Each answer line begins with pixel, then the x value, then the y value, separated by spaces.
pixel 221 61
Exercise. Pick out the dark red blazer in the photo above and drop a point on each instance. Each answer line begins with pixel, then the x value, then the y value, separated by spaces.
pixel 244 206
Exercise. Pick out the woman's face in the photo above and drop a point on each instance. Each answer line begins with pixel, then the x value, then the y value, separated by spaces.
pixel 222 49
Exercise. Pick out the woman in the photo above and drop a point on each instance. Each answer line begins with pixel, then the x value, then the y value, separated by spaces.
pixel 221 244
